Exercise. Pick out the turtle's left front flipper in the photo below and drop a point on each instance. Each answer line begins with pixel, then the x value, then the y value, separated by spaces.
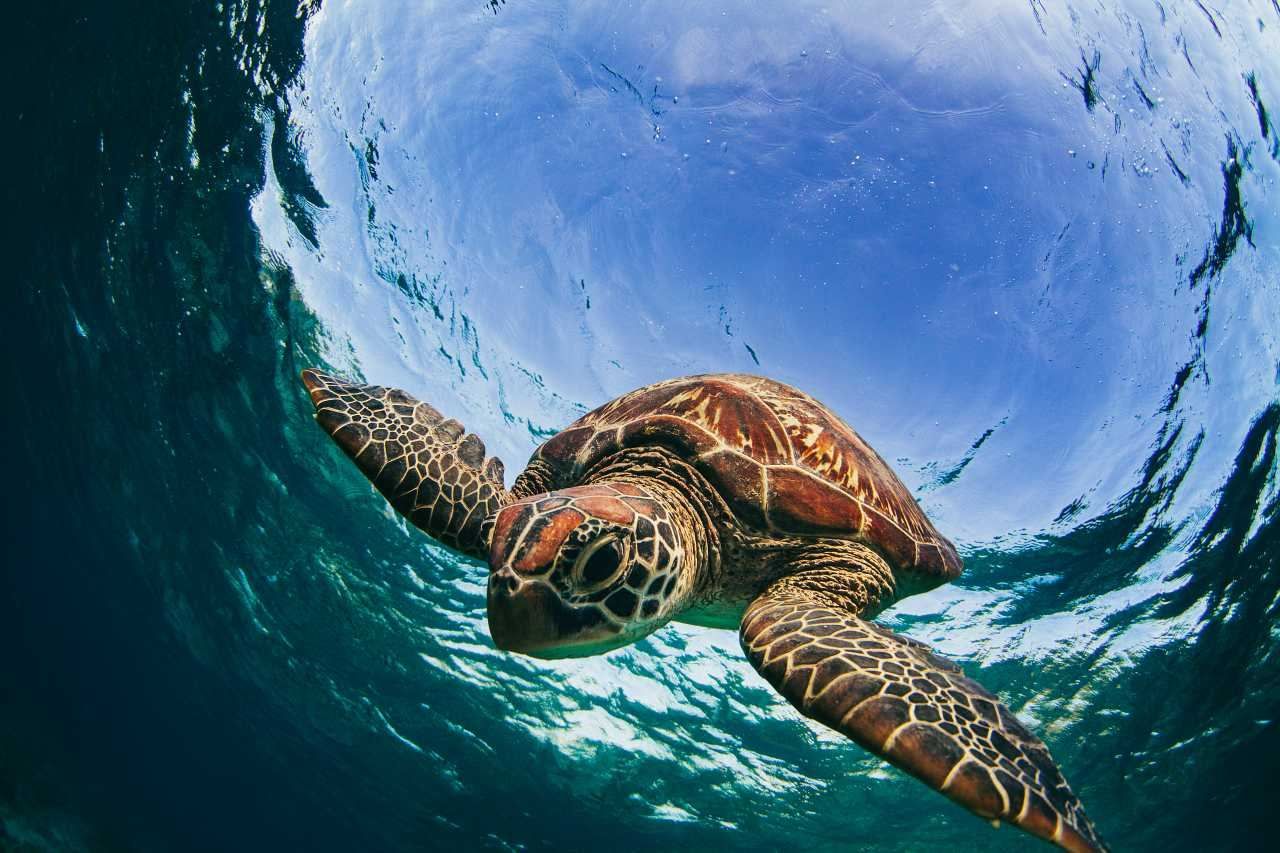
pixel 916 710
pixel 431 472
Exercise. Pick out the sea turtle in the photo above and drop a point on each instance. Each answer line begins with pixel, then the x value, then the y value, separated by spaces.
pixel 726 501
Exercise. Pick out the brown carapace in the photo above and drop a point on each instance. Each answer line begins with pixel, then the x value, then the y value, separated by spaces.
pixel 728 501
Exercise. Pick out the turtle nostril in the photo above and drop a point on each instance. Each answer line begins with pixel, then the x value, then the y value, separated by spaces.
pixel 504 582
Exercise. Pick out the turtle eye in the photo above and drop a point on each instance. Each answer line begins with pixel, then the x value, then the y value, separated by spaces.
pixel 599 563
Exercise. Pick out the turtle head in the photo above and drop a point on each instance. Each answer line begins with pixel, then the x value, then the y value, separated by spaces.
pixel 584 570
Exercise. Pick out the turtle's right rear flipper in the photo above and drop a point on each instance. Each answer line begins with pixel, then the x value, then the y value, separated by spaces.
pixel 431 472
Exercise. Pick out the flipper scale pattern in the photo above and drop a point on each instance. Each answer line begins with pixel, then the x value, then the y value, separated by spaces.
pixel 899 700
pixel 433 473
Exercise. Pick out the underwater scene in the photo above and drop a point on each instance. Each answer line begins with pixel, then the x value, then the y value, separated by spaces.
pixel 1027 249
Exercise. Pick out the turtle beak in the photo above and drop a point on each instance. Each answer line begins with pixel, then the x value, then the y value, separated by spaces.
pixel 529 618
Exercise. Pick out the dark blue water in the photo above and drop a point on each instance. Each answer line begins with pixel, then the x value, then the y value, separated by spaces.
pixel 1027 249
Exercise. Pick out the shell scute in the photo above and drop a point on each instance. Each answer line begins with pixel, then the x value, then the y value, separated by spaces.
pixel 561 450
pixel 800 502
pixel 740 480
pixel 686 438
pixel 740 421
pixel 891 538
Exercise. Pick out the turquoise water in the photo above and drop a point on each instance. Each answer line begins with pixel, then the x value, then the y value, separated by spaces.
pixel 1028 250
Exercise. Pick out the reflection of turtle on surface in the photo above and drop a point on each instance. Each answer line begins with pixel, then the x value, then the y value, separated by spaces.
pixel 726 501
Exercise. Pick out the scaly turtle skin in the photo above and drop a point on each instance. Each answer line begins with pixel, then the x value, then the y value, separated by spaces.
pixel 727 501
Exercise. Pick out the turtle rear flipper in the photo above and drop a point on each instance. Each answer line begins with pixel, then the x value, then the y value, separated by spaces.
pixel 909 706
pixel 422 462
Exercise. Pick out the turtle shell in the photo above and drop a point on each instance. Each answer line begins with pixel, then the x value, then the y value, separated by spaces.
pixel 782 461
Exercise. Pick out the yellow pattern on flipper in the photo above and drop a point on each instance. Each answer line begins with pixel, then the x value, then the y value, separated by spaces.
pixel 902 702
pixel 422 462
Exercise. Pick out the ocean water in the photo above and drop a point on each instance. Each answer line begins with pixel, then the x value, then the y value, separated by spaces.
pixel 1027 249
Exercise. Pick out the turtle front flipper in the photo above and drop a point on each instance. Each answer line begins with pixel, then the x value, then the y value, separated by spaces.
pixel 431 472
pixel 909 706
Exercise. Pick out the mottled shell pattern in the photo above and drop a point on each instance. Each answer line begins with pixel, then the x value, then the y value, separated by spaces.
pixel 782 461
